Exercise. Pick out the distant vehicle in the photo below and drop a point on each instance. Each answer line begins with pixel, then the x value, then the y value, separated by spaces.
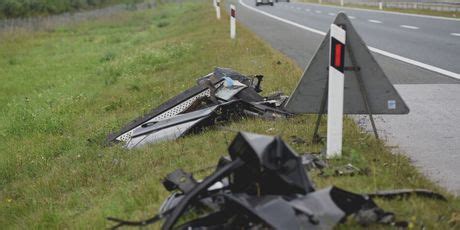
pixel 264 2
pixel 281 1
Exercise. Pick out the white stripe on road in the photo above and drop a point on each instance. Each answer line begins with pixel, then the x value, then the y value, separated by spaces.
pixel 375 50
pixel 331 14
pixel 455 34
pixel 386 12
pixel 318 11
pixel 308 10
pixel 374 21
pixel 409 27
pixel 351 17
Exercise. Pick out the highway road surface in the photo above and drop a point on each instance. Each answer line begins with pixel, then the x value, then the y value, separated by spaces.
pixel 420 55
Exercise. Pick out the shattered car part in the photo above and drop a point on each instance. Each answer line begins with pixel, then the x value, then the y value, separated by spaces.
pixel 351 170
pixel 196 121
pixel 218 97
pixel 311 161
pixel 263 185
pixel 179 180
pixel 180 125
pixel 275 166
pixel 401 193
pixel 230 89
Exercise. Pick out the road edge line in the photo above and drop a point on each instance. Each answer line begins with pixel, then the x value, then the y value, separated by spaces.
pixel 383 12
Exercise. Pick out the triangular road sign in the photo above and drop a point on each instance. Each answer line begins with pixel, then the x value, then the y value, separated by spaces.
pixel 381 96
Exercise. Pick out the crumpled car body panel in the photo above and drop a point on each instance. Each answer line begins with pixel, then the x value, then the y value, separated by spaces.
pixel 198 107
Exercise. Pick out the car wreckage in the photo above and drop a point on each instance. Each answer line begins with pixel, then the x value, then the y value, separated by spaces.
pixel 225 95
pixel 264 185
pixel 218 97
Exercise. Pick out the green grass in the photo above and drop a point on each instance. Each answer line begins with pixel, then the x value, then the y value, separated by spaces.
pixel 63 91
pixel 28 8
pixel 391 9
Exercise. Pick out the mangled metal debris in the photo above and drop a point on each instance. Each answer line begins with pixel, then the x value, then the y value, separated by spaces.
pixel 218 97
pixel 264 185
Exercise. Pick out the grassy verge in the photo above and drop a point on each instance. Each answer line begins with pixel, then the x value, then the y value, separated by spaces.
pixel 391 9
pixel 21 8
pixel 63 91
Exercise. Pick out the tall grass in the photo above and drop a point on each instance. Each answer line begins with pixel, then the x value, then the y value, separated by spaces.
pixel 28 8
pixel 12 26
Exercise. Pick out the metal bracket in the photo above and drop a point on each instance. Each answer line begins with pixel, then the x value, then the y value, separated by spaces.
pixel 349 68
pixel 352 68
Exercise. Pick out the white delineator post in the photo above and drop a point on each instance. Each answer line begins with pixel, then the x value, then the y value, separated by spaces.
pixel 380 5
pixel 232 21
pixel 218 9
pixel 335 91
pixel 341 2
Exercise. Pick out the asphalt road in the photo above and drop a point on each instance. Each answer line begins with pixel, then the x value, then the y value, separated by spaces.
pixel 420 55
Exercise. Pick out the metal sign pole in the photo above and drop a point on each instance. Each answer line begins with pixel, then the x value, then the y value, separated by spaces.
pixel 316 138
pixel 363 91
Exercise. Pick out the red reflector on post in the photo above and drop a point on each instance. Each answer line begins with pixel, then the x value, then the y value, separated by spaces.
pixel 338 55
pixel 232 13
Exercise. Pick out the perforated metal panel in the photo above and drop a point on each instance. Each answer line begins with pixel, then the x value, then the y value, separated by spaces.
pixel 126 137
pixel 180 107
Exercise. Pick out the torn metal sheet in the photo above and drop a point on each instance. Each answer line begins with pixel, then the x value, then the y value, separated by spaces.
pixel 402 193
pixel 177 104
pixel 167 134
pixel 219 96
pixel 263 185
pixel 270 155
pixel 311 161
pixel 183 124
pixel 172 107
pixel 229 89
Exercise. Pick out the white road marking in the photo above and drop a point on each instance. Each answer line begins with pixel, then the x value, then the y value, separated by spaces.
pixel 375 50
pixel 351 17
pixel 331 14
pixel 374 21
pixel 308 10
pixel 318 11
pixel 298 8
pixel 455 34
pixel 409 27
pixel 387 12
